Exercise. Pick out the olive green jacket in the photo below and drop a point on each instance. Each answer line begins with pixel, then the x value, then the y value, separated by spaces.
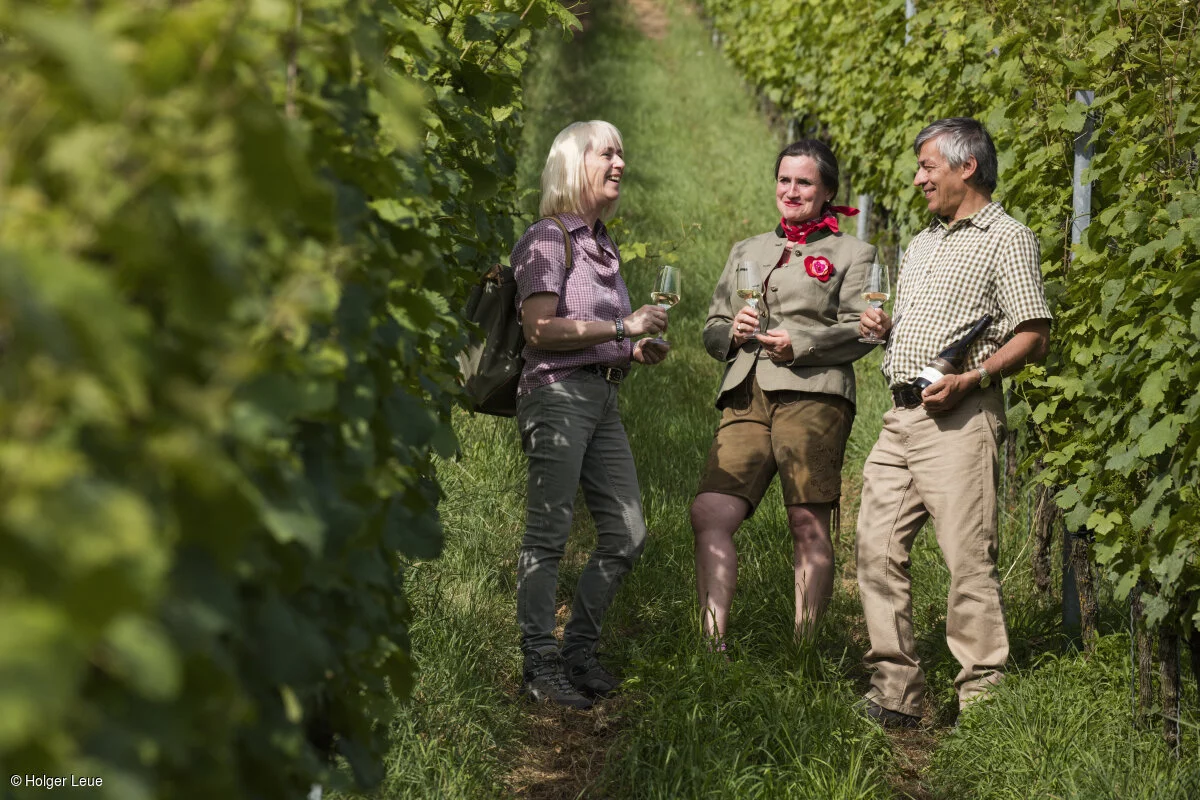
pixel 820 317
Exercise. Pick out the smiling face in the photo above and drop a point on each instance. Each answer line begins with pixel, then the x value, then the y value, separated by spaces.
pixel 799 193
pixel 603 165
pixel 945 187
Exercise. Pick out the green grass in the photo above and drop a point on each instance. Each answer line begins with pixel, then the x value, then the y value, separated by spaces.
pixel 777 719
pixel 455 736
pixel 1063 730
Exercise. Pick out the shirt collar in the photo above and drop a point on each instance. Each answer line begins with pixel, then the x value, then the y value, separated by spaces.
pixel 815 236
pixel 574 223
pixel 981 219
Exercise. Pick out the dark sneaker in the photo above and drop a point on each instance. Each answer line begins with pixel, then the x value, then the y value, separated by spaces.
pixel 546 682
pixel 590 678
pixel 888 718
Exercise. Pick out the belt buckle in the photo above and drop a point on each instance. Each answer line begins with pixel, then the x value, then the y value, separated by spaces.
pixel 613 375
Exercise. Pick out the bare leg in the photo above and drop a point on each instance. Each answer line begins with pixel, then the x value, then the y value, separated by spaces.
pixel 715 517
pixel 814 562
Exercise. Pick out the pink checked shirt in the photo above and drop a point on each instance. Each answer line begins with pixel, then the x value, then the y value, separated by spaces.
pixel 592 290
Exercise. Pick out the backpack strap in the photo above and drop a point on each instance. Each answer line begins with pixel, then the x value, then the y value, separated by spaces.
pixel 566 236
pixel 566 242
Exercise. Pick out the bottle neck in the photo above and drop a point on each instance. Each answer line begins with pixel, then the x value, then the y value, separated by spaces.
pixel 956 353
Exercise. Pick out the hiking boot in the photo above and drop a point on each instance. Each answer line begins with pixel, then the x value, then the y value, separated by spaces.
pixel 590 678
pixel 888 718
pixel 546 682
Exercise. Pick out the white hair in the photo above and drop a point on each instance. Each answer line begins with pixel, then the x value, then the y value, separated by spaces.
pixel 565 186
pixel 959 139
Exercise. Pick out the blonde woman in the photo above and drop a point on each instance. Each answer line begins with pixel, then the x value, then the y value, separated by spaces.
pixel 580 333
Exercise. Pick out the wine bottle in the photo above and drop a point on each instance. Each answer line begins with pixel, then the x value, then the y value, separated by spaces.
pixel 950 361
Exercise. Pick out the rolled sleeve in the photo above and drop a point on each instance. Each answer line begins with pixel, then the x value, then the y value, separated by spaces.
pixel 539 261
pixel 1019 280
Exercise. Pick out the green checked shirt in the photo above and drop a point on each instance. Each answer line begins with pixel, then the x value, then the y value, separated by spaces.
pixel 951 276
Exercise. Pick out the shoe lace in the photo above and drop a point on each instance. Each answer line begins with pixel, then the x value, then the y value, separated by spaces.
pixel 591 666
pixel 551 671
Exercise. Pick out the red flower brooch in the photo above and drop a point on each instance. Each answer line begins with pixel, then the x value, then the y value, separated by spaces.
pixel 819 267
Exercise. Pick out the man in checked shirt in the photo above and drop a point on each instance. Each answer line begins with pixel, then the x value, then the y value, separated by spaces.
pixel 937 455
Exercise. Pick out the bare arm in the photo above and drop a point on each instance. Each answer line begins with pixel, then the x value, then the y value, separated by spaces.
pixel 545 330
pixel 1028 345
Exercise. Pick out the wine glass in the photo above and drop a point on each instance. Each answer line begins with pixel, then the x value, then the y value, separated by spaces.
pixel 666 291
pixel 749 284
pixel 877 292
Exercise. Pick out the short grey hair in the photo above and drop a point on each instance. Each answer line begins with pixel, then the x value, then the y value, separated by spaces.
pixel 960 138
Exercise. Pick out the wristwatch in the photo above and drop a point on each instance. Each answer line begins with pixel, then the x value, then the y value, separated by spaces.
pixel 985 378
pixel 620 329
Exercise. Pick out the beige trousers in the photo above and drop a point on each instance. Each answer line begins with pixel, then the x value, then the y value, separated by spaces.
pixel 944 466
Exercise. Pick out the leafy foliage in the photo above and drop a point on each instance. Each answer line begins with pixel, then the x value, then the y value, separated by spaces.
pixel 231 237
pixel 1115 410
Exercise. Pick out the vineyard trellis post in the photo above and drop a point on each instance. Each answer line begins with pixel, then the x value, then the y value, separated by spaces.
pixel 910 11
pixel 1078 591
pixel 864 216
pixel 1085 149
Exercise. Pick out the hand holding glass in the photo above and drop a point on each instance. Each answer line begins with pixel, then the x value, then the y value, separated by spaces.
pixel 878 290
pixel 666 291
pixel 749 284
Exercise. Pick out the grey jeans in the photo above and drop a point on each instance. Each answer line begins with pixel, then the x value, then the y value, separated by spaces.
pixel 571 432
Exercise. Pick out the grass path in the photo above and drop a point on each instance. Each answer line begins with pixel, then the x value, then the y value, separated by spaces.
pixel 700 156
pixel 776 720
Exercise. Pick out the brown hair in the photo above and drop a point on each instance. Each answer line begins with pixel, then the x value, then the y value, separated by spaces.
pixel 818 151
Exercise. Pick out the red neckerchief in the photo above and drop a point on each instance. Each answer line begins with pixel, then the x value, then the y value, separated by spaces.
pixel 798 234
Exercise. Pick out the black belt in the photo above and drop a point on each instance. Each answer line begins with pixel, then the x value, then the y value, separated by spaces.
pixel 613 375
pixel 906 396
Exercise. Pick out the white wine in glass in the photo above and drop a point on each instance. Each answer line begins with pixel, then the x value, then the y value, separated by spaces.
pixel 664 299
pixel 749 284
pixel 877 293
pixel 666 291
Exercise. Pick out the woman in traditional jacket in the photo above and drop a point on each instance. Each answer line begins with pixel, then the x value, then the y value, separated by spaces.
pixel 787 395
